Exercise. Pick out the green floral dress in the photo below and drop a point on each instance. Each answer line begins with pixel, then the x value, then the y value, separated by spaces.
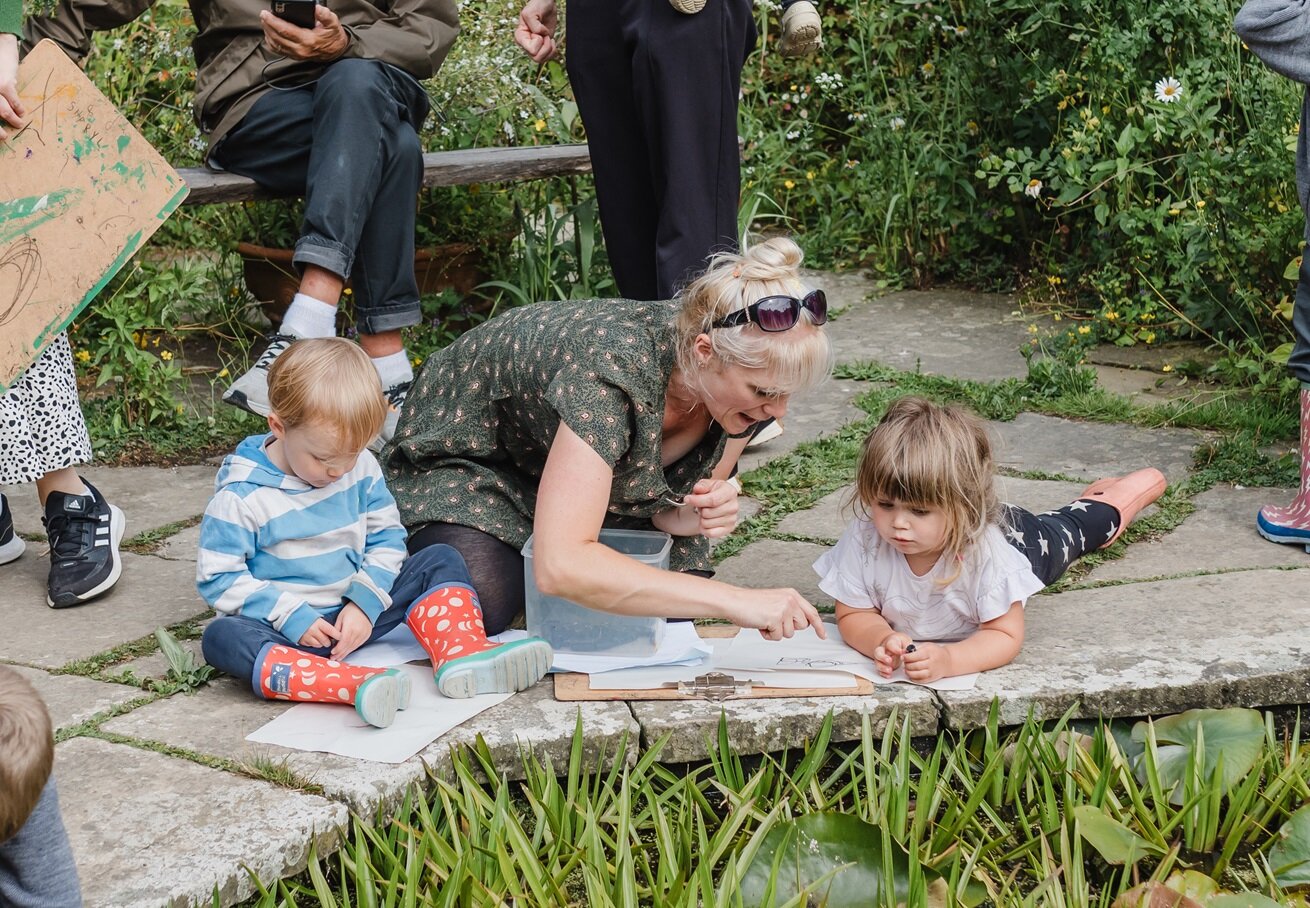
pixel 479 420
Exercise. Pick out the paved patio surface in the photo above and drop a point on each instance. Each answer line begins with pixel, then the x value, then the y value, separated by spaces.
pixel 158 794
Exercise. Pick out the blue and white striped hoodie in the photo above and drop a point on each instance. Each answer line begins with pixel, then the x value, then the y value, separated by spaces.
pixel 274 548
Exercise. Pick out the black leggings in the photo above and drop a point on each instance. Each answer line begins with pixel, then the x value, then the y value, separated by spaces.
pixel 1053 540
pixel 496 568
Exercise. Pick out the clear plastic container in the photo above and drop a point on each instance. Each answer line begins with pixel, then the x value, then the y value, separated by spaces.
pixel 572 628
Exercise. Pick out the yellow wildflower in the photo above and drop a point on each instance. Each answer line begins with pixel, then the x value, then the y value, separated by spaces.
pixel 790 184
pixel 539 125
pixel 1150 337
pixel 1174 212
pixel 809 174
pixel 1111 315
pixel 1105 108
pixel 349 292
pixel 166 355
pixel 1166 368
pixel 1057 317
pixel 1084 329
pixel 1200 203
pixel 1032 329
pixel 1054 279
pixel 223 373
pixel 83 356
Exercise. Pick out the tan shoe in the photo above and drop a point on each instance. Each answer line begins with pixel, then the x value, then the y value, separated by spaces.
pixel 801 30
pixel 688 6
pixel 1127 495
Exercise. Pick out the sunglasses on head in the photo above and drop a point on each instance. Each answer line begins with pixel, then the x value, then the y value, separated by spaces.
pixel 778 313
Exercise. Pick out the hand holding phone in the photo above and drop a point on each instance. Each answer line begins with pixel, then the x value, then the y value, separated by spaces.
pixel 318 36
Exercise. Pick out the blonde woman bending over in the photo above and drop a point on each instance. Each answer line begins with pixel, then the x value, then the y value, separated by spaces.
pixel 561 418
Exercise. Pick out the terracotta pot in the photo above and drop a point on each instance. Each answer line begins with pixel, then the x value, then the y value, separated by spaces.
pixel 271 278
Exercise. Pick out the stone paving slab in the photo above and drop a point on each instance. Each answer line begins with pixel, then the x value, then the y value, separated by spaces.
pixel 772 563
pixel 769 726
pixel 1219 536
pixel 152 592
pixel 830 515
pixel 182 545
pixel 820 413
pixel 942 332
pixel 1091 450
pixel 151 497
pixel 71 700
pixel 215 720
pixel 152 830
pixel 1238 639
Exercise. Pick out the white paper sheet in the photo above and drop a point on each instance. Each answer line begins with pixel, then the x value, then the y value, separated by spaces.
pixel 681 646
pixel 807 652
pixel 657 676
pixel 329 728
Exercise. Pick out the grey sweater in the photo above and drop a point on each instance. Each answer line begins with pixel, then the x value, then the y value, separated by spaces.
pixel 1278 32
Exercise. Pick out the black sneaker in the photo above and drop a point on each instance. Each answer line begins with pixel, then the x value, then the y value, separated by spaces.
pixel 250 391
pixel 11 544
pixel 84 532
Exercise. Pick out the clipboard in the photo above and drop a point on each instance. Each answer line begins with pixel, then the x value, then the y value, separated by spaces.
pixel 573 687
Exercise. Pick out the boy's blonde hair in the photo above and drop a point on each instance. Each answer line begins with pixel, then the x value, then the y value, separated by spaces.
pixel 798 359
pixel 27 751
pixel 328 381
pixel 927 455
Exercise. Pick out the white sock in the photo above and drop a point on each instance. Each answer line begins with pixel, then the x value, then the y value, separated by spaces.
pixel 310 317
pixel 393 369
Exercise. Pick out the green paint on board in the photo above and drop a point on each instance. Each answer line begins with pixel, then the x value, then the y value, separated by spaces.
pixel 123 142
pixel 19 216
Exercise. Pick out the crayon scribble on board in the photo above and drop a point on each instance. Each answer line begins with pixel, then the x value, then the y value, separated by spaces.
pixel 80 192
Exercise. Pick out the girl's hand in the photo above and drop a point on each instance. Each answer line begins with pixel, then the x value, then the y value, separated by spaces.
pixel 716 504
pixel 11 109
pixel 777 613
pixel 887 655
pixel 928 662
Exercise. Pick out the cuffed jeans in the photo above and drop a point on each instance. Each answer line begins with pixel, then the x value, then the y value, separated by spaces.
pixel 233 644
pixel 348 143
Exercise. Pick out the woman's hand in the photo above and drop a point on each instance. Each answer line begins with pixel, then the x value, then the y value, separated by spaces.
pixel 11 109
pixel 716 505
pixel 777 613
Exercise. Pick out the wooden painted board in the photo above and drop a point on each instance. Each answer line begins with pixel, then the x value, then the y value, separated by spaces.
pixel 574 686
pixel 80 192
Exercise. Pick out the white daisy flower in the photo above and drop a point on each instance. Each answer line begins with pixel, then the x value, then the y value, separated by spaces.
pixel 896 123
pixel 1168 90
pixel 1033 189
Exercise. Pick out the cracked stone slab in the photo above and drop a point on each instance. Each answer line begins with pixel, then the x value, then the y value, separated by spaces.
pixel 151 497
pixel 152 592
pixel 1139 649
pixel 215 720
pixel 820 413
pixel 768 726
pixel 1220 535
pixel 1091 450
pixel 941 332
pixel 153 830
pixel 771 563
pixel 71 699
pixel 830 515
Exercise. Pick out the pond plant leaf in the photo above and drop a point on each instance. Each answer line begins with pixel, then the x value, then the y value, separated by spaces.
pixel 1113 841
pixel 1243 900
pixel 1289 856
pixel 1235 735
pixel 838 858
pixel 1153 894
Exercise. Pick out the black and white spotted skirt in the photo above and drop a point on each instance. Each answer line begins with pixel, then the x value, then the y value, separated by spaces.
pixel 41 423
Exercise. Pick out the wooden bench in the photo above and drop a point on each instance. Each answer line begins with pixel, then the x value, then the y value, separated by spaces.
pixel 440 168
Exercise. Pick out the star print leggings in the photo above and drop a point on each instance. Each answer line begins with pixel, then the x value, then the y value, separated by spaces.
pixel 1053 540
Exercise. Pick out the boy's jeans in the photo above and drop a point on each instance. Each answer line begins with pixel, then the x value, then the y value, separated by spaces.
pixel 232 644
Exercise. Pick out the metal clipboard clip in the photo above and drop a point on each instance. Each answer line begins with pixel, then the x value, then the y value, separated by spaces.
pixel 713 686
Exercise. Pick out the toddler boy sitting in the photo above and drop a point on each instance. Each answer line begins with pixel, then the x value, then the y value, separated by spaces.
pixel 303 555
pixel 36 864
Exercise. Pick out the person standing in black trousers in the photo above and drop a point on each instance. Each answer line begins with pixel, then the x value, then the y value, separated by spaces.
pixel 658 91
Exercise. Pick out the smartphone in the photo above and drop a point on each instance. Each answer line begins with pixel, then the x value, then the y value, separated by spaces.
pixel 297 12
